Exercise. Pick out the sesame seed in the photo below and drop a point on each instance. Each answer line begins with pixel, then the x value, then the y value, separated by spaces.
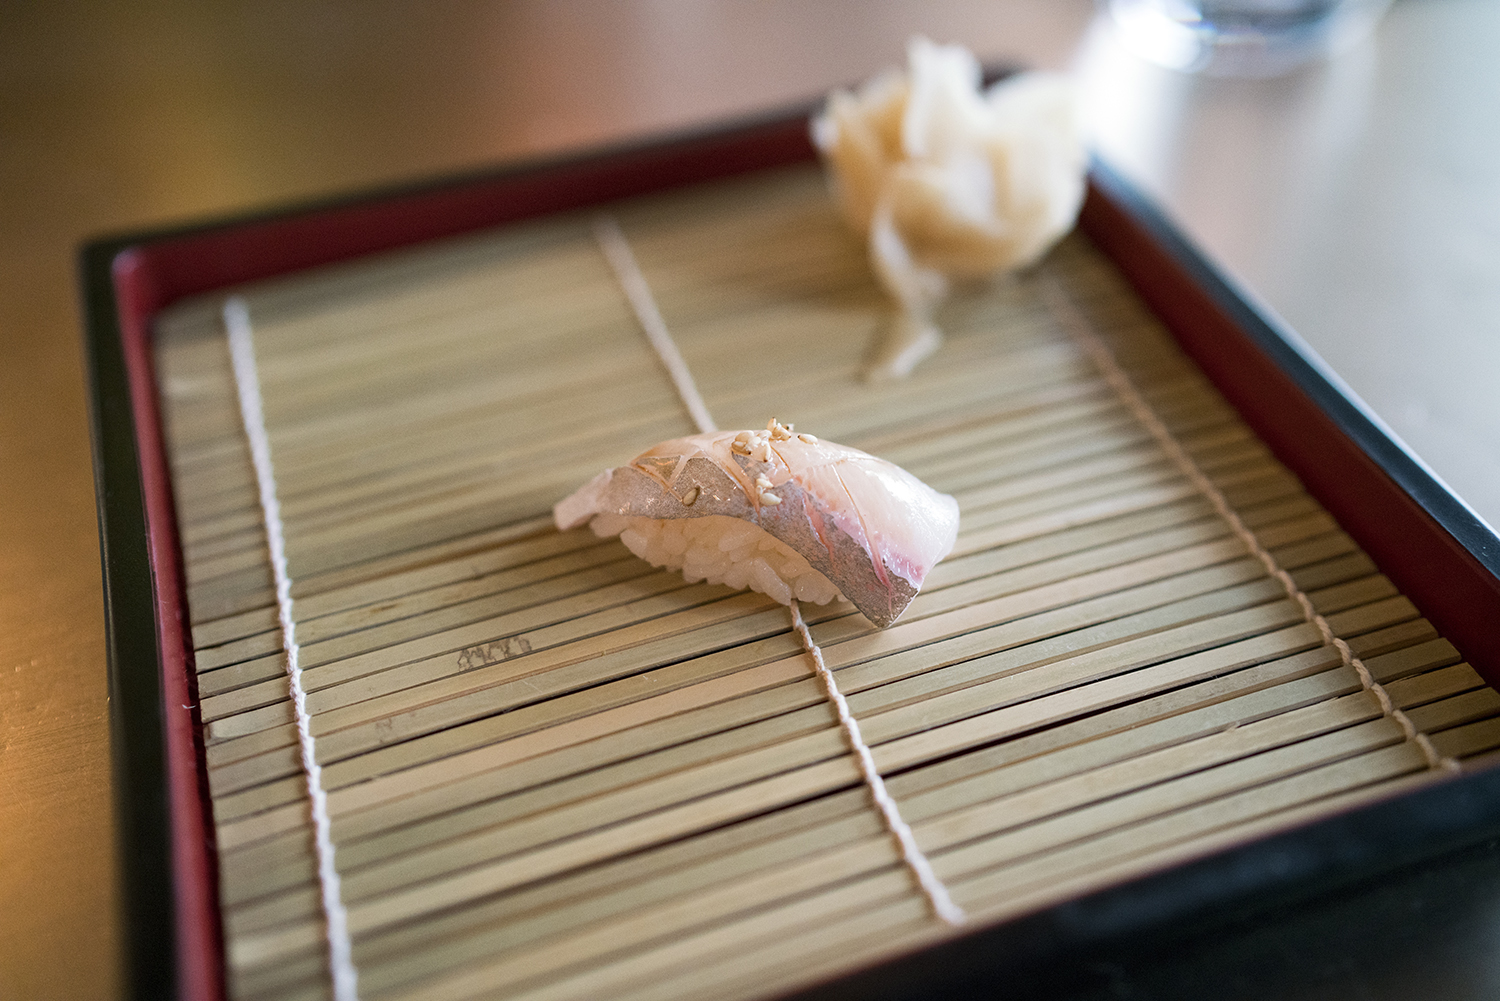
pixel 690 497
pixel 769 498
pixel 810 439
pixel 763 452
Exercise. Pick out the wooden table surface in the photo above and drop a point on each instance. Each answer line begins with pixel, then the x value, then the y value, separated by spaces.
pixel 116 117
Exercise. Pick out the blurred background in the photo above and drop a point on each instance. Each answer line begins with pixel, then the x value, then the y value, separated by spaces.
pixel 1358 198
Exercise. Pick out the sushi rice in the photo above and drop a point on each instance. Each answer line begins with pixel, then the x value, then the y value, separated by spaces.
pixel 721 550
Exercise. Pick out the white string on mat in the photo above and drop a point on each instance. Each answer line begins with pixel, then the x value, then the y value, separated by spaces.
pixel 617 251
pixel 247 382
pixel 942 904
pixel 1104 360
pixel 622 260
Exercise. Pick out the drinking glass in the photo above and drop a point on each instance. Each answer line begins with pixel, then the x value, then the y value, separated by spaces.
pixel 1242 37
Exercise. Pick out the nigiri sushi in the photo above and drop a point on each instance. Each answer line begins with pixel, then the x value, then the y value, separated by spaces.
pixel 783 513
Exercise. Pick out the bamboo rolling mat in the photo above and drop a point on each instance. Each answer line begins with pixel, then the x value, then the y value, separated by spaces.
pixel 554 771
